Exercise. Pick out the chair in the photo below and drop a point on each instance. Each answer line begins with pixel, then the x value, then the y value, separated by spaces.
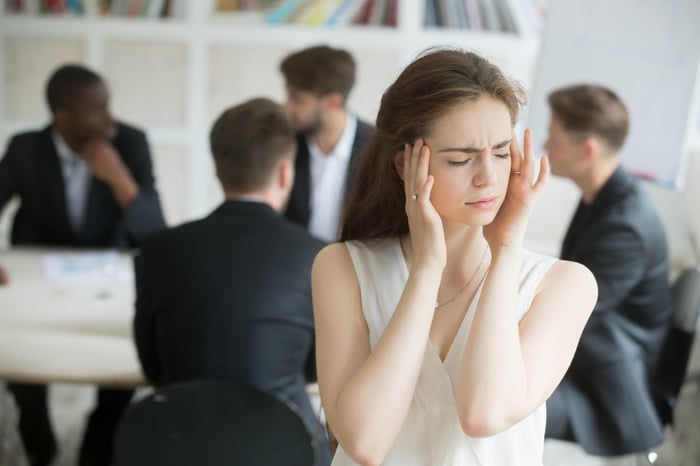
pixel 212 423
pixel 673 364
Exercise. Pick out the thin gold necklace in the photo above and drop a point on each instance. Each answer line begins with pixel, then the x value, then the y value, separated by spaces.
pixel 471 279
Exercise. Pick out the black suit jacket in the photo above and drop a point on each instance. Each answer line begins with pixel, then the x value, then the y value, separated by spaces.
pixel 608 388
pixel 298 209
pixel 31 170
pixel 229 297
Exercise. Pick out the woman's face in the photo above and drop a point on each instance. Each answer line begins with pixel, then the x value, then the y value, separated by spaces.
pixel 470 161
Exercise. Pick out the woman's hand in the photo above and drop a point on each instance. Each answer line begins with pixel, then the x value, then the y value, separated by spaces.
pixel 508 228
pixel 424 223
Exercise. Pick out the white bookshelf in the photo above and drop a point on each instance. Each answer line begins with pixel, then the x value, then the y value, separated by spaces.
pixel 210 61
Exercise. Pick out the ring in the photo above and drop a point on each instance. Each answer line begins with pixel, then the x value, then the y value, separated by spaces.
pixel 515 173
pixel 414 197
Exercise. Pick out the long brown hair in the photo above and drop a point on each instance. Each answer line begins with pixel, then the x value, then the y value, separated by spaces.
pixel 435 83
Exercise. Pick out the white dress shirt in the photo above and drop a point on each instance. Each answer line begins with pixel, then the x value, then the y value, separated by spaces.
pixel 76 179
pixel 328 182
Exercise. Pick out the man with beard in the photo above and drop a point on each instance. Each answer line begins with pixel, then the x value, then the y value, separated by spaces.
pixel 329 138
pixel 83 181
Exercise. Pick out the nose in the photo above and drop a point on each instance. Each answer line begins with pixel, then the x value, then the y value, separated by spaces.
pixel 485 171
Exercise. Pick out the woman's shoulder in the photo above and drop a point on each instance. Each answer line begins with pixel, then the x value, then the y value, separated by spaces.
pixel 330 254
pixel 568 275
pixel 535 265
pixel 366 247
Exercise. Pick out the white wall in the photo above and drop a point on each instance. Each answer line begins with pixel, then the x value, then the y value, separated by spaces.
pixel 197 68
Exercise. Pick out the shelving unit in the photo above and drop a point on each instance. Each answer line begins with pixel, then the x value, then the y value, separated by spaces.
pixel 174 76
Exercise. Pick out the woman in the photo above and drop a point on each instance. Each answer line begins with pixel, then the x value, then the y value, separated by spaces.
pixel 439 337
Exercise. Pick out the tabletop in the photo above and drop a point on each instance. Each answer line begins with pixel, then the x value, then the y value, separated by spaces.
pixel 66 316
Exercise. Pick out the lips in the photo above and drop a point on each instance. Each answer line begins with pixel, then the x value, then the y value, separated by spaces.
pixel 484 203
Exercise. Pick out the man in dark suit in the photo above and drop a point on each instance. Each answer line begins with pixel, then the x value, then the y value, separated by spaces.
pixel 83 181
pixel 606 401
pixel 229 296
pixel 329 137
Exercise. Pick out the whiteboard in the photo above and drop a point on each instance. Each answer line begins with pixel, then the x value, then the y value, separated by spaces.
pixel 648 52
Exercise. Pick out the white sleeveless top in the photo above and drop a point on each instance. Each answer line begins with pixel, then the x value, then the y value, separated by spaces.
pixel 431 434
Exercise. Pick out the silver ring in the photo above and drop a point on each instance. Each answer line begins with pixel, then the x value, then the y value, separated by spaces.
pixel 414 197
pixel 515 173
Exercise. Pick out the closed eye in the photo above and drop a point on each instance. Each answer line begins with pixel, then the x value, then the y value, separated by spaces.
pixel 503 156
pixel 458 163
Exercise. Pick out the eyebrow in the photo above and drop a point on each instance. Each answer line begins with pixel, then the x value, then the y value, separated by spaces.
pixel 475 150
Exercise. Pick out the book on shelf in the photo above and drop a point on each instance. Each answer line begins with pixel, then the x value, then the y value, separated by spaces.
pixel 227 5
pixel 345 13
pixel 282 11
pixel 142 8
pixel 321 12
pixel 474 15
pixel 507 16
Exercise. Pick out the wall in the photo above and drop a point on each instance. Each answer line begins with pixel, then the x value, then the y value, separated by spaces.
pixel 173 79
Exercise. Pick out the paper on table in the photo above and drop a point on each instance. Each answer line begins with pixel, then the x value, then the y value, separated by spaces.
pixel 86 267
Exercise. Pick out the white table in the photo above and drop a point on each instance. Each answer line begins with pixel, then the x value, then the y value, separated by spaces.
pixel 64 331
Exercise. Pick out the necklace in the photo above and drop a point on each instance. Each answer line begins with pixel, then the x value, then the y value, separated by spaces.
pixel 471 279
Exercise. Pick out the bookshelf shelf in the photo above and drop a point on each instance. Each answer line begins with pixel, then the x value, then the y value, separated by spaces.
pixel 204 61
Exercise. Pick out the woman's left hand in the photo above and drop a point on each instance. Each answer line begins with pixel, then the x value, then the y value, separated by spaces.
pixel 508 228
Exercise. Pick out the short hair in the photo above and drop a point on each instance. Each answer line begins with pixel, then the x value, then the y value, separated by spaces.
pixel 591 110
pixel 248 140
pixel 65 84
pixel 321 70
pixel 434 84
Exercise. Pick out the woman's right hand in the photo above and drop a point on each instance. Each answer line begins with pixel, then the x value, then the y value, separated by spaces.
pixel 424 223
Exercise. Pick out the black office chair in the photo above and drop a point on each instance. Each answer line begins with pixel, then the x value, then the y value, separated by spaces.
pixel 673 365
pixel 212 423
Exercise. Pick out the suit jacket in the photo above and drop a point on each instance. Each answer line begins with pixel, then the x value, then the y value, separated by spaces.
pixel 298 209
pixel 229 297
pixel 608 387
pixel 31 170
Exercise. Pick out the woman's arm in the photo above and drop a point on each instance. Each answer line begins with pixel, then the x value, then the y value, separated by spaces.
pixel 509 368
pixel 366 395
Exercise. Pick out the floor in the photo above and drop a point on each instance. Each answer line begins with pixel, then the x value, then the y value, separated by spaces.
pixel 70 403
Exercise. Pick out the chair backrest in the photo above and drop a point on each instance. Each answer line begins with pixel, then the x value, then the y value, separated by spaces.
pixel 212 423
pixel 673 363
pixel 686 300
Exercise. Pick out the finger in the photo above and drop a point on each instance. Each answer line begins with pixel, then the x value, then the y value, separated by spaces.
pixel 415 179
pixel 422 174
pixel 406 169
pixel 428 188
pixel 543 176
pixel 516 158
pixel 527 168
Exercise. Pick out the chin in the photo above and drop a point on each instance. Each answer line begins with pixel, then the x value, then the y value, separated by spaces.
pixel 476 220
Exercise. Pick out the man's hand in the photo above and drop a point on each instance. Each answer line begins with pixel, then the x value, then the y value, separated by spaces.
pixel 105 163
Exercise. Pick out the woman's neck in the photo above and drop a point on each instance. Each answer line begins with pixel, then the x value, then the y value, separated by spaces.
pixel 465 247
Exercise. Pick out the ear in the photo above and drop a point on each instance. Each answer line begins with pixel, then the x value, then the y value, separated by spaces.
pixel 285 173
pixel 591 148
pixel 398 164
pixel 335 100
